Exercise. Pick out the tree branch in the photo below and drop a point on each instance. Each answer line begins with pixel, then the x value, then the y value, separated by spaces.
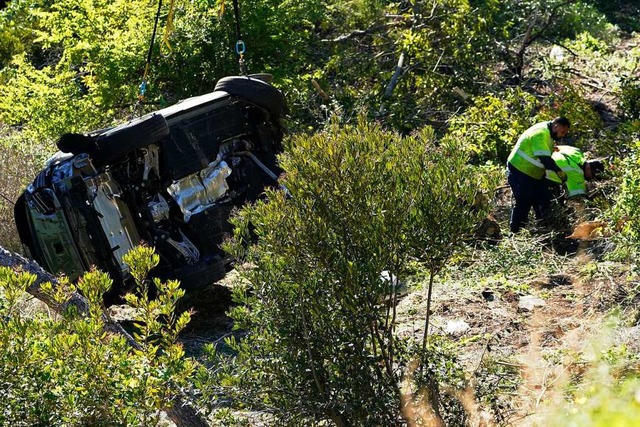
pixel 370 30
pixel 550 20
pixel 392 83
pixel 530 36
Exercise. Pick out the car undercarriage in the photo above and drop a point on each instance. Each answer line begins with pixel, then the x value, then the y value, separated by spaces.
pixel 169 179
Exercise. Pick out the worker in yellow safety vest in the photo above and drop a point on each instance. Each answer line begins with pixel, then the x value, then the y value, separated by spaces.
pixel 579 170
pixel 527 166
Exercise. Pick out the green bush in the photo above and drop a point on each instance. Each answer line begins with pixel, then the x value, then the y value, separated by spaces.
pixel 491 126
pixel 629 98
pixel 360 201
pixel 605 390
pixel 67 371
pixel 568 100
pixel 624 214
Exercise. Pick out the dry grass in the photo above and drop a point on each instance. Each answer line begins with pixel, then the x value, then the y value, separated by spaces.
pixel 18 166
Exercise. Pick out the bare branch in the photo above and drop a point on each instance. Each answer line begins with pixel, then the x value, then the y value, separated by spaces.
pixel 370 30
pixel 530 36
pixel 392 83
pixel 318 89
pixel 550 20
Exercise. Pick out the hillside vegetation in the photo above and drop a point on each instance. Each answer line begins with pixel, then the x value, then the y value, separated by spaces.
pixel 380 291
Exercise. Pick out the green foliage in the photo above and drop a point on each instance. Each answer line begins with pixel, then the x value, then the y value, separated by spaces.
pixel 624 213
pixel 16 29
pixel 580 18
pixel 157 322
pixel 68 371
pixel 569 101
pixel 92 61
pixel 622 13
pixel 449 49
pixel 362 201
pixel 619 142
pixel 603 406
pixel 629 99
pixel 492 124
pixel 45 102
pixel 86 57
pixel 567 19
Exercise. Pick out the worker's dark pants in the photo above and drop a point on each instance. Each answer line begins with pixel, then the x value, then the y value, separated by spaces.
pixel 528 193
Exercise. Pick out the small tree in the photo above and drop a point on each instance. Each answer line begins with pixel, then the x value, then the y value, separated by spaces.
pixel 322 344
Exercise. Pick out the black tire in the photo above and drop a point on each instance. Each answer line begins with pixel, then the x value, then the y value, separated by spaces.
pixel 256 91
pixel 121 140
pixel 25 230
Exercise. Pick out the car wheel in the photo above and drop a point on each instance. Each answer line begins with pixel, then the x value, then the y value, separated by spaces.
pixel 255 90
pixel 76 143
pixel 120 141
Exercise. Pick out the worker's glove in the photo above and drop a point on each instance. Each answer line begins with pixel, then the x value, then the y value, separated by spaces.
pixel 562 175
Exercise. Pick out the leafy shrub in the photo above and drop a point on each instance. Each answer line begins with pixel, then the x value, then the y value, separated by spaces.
pixel 621 13
pixel 43 103
pixel 493 123
pixel 569 101
pixel 624 215
pixel 491 126
pixel 618 141
pixel 629 98
pixel 581 18
pixel 68 371
pixel 602 405
pixel 321 344
pixel 17 39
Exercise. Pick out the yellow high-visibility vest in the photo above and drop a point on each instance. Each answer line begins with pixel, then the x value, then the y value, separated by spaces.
pixel 535 141
pixel 570 160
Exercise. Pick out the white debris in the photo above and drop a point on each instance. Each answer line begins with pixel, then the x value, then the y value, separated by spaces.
pixel 456 327
pixel 529 302
pixel 557 54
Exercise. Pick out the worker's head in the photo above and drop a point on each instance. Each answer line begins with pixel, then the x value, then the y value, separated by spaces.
pixel 559 128
pixel 593 168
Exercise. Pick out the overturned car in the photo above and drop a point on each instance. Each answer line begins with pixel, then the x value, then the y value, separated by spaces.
pixel 170 178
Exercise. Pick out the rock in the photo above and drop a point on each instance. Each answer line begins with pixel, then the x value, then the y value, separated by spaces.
pixel 456 327
pixel 529 302
pixel 557 53
pixel 488 295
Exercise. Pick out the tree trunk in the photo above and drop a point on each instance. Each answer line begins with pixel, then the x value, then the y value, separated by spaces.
pixel 183 415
